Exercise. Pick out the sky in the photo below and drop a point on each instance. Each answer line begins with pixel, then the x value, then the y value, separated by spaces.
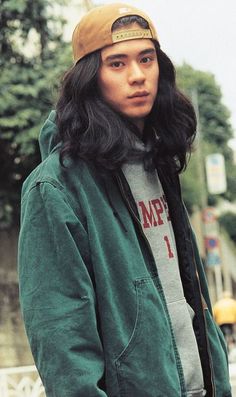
pixel 201 33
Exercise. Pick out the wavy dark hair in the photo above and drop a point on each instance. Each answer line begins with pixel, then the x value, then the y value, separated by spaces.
pixel 90 129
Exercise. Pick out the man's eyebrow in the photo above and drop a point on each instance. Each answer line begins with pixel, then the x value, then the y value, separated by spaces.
pixel 115 56
pixel 122 56
pixel 148 51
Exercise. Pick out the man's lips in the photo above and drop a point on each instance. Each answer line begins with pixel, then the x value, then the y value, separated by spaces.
pixel 139 94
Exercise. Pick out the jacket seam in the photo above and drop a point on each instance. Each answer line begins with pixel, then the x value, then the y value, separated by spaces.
pixel 56 185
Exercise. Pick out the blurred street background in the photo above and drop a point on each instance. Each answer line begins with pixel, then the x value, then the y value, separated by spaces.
pixel 35 53
pixel 233 378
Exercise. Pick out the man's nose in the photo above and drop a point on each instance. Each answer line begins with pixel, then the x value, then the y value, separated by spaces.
pixel 136 74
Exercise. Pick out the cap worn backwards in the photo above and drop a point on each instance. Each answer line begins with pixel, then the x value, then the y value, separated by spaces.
pixel 94 31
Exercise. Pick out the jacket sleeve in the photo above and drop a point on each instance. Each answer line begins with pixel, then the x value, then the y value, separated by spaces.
pixel 57 295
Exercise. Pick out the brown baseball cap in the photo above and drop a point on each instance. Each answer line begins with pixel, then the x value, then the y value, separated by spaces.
pixel 94 31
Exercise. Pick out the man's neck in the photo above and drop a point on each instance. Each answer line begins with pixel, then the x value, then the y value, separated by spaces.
pixel 140 125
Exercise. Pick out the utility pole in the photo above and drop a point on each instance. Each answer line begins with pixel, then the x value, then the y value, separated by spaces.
pixel 214 279
pixel 199 152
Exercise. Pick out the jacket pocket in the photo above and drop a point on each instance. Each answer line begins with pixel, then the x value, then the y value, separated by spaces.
pixel 147 366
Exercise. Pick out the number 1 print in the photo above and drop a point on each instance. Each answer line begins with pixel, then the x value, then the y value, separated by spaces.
pixel 170 253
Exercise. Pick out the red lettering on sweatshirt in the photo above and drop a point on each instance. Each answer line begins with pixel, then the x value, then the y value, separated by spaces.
pixel 147 215
pixel 151 214
pixel 170 253
pixel 159 210
pixel 163 199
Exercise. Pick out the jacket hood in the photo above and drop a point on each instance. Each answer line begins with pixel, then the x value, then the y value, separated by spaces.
pixel 47 135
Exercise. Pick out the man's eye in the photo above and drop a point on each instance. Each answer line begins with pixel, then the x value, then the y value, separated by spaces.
pixel 116 64
pixel 146 59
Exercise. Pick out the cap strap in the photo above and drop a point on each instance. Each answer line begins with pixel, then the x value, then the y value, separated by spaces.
pixel 131 34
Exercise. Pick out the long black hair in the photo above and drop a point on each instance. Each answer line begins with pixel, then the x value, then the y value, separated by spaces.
pixel 90 129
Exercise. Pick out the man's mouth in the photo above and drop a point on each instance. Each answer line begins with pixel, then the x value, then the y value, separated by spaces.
pixel 139 94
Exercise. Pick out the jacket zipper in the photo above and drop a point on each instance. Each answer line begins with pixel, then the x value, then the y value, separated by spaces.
pixel 135 217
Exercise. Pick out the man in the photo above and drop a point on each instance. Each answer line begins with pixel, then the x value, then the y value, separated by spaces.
pixel 112 288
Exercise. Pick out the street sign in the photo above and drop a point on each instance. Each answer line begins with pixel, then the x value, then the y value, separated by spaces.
pixel 208 215
pixel 213 259
pixel 211 237
pixel 212 243
pixel 213 251
pixel 215 172
pixel 210 222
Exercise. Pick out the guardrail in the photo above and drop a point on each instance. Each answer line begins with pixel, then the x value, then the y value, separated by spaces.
pixel 20 382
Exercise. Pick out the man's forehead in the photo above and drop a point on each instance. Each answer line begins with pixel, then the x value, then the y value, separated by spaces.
pixel 128 48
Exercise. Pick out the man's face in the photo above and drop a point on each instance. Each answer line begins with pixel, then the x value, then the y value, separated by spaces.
pixel 128 78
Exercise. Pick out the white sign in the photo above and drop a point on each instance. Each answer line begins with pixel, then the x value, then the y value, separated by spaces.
pixel 215 172
pixel 210 222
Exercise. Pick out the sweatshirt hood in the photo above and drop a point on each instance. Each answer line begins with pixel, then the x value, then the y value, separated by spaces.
pixel 47 135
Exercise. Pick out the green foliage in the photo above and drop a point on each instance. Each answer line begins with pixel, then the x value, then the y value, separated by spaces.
pixel 28 93
pixel 214 132
pixel 228 222
pixel 191 192
pixel 214 116
pixel 231 181
pixel 18 18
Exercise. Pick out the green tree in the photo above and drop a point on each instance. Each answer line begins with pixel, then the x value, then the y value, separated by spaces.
pixel 215 131
pixel 228 222
pixel 214 115
pixel 28 83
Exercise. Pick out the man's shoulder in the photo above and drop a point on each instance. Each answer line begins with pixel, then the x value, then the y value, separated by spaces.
pixel 51 171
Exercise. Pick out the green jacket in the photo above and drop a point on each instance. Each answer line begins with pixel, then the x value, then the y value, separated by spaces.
pixel 92 301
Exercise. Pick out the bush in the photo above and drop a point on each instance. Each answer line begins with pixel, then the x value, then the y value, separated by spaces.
pixel 228 222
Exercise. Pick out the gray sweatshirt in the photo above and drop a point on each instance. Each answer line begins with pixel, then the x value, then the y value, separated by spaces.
pixel 153 210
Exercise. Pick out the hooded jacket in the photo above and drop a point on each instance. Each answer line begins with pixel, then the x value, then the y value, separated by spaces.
pixel 93 305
